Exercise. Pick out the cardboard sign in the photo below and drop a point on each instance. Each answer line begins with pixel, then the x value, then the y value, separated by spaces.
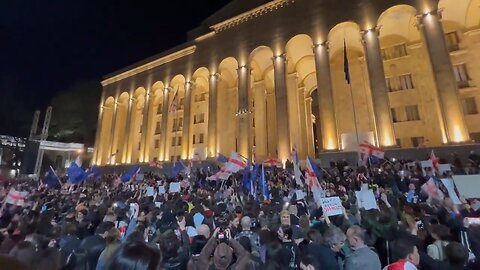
pixel 430 188
pixel 159 183
pixel 300 194
pixel 150 191
pixel 331 206
pixel 450 186
pixel 425 165
pixel 158 204
pixel 468 185
pixel 443 168
pixel 174 187
pixel 366 199
pixel 198 219
pixel 161 190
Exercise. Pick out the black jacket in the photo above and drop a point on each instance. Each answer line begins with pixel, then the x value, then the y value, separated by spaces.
pixel 325 256
pixel 93 245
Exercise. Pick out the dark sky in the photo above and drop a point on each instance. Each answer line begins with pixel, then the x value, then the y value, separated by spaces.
pixel 46 46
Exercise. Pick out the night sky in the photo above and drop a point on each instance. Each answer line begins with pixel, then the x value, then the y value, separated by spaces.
pixel 47 46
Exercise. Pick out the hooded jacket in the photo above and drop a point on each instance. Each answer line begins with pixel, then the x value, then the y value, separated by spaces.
pixel 222 256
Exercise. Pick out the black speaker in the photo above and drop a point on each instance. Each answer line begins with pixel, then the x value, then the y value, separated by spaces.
pixel 30 157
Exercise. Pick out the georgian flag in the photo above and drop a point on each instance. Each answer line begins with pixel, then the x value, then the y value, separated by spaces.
pixel 16 197
pixel 371 150
pixel 174 106
pixel 296 166
pixel 222 175
pixel 313 183
pixel 435 162
pixel 273 162
pixel 235 163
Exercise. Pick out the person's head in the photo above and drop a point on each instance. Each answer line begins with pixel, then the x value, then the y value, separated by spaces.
pixel 405 249
pixel 222 257
pixel 170 245
pixel 456 254
pixel 292 209
pixel 70 229
pixel 304 223
pixel 198 242
pixel 276 253
pixel 356 236
pixel 103 228
pixel 204 230
pixel 411 187
pixel 285 217
pixel 25 252
pixel 440 232
pixel 315 236
pixel 113 236
pixel 285 233
pixel 448 203
pixel 135 255
pixel 334 238
pixel 246 223
pixel 308 262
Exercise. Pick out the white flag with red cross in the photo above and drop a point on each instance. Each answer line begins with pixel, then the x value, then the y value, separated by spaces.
pixel 16 197
pixel 435 161
pixel 272 162
pixel 235 163
pixel 366 149
pixel 313 183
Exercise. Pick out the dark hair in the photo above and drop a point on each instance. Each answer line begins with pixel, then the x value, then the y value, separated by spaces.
pixel 169 244
pixel 456 253
pixel 198 242
pixel 308 259
pixel 25 252
pixel 276 253
pixel 287 231
pixel 135 256
pixel 315 236
pixel 246 244
pixel 402 248
pixel 442 231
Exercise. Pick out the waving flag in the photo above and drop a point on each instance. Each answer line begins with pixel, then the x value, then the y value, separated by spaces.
pixel 296 166
pixel 130 174
pixel 366 149
pixel 272 162
pixel 188 169
pixel 313 183
pixel 264 185
pixel 221 158
pixel 246 178
pixel 51 180
pixel 177 168
pixel 75 173
pixel 174 106
pixel 222 175
pixel 16 197
pixel 316 170
pixel 94 172
pixel 156 164
pixel 434 159
pixel 235 163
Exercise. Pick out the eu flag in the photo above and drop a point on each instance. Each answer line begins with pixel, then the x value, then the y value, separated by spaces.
pixel 76 174
pixel 178 168
pixel 264 185
pixel 221 158
pixel 315 168
pixel 130 173
pixel 346 67
pixel 51 180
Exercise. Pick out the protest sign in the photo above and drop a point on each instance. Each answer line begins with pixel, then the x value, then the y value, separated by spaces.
pixel 161 190
pixel 158 204
pixel 331 206
pixel 450 186
pixel 468 185
pixel 174 187
pixel 198 219
pixel 300 194
pixel 140 177
pixel 426 164
pixel 443 168
pixel 366 199
pixel 150 191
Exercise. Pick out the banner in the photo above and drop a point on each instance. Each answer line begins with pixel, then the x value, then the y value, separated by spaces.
pixel 174 187
pixel 366 199
pixel 332 206
pixel 16 197
pixel 450 186
pixel 468 185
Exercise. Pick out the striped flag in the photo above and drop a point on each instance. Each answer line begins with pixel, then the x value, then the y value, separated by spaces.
pixel 16 197
pixel 174 106
pixel 235 163
pixel 313 183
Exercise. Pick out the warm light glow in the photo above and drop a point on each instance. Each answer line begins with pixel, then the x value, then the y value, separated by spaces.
pixel 387 141
pixel 330 145
pixel 457 135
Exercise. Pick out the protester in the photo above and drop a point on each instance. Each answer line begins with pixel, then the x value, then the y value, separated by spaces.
pixel 252 219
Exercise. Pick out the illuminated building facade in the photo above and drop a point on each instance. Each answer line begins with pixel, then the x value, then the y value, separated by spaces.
pixel 264 76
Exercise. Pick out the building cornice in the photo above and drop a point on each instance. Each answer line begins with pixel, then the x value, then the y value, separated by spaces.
pixel 246 16
pixel 150 65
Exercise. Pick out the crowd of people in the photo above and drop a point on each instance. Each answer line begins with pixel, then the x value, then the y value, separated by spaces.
pixel 140 224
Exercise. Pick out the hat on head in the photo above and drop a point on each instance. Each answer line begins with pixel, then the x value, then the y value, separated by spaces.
pixel 222 256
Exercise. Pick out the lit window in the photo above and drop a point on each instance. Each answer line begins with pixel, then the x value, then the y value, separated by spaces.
pixel 412 113
pixel 470 106
pixel 403 82
pixel 461 75
pixel 394 52
pixel 452 41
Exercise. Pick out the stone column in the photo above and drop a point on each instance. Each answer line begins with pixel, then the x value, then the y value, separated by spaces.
pixel 243 114
pixel 303 148
pixel 212 115
pixel 280 67
pixel 164 127
pixel 127 151
pixel 376 74
pixel 111 145
pixel 445 81
pixel 310 139
pixel 145 128
pixel 186 121
pixel 326 108
pixel 97 147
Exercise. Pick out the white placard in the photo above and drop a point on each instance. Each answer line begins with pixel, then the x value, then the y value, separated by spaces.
pixel 159 183
pixel 450 186
pixel 150 191
pixel 158 204
pixel 331 206
pixel 442 168
pixel 174 187
pixel 366 199
pixel 161 190
pixel 426 164
pixel 300 194
pixel 468 185
pixel 140 177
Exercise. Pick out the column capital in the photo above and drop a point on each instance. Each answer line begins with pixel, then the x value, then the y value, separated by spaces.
pixel 280 57
pixel 325 44
pixel 215 75
pixel 374 30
